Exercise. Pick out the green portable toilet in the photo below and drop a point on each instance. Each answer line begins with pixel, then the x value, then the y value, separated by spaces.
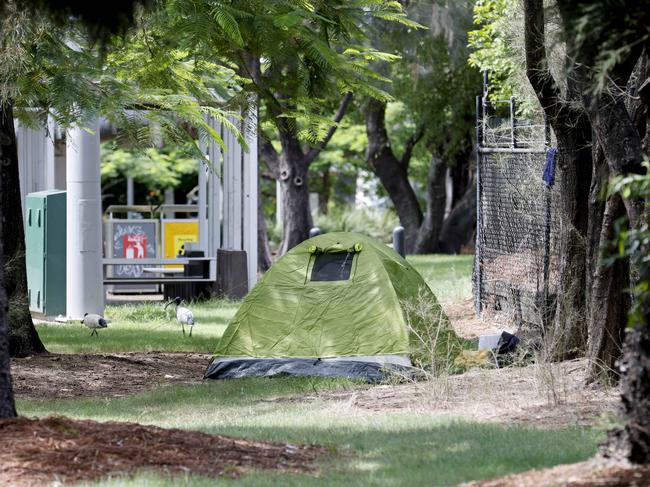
pixel 334 305
pixel 45 239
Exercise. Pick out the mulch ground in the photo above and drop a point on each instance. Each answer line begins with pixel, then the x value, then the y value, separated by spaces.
pixel 57 449
pixel 105 375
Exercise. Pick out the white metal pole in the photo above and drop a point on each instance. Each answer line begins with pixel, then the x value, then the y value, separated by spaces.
pixel 50 167
pixel 225 189
pixel 203 222
pixel 231 218
pixel 130 195
pixel 84 286
pixel 214 192
pixel 129 190
pixel 237 185
pixel 249 220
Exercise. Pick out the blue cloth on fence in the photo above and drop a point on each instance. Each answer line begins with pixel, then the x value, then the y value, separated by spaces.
pixel 549 167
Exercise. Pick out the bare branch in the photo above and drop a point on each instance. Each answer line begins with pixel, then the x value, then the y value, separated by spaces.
pixel 378 140
pixel 314 151
pixel 537 69
pixel 250 67
pixel 410 145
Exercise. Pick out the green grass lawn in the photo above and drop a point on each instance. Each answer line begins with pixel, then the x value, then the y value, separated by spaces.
pixel 142 328
pixel 448 276
pixel 382 449
pixel 367 448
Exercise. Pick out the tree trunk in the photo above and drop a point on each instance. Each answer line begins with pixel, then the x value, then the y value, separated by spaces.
pixel 264 260
pixel 620 141
pixel 609 300
pixel 293 178
pixel 428 236
pixel 567 337
pixel 460 226
pixel 7 406
pixel 392 172
pixel 599 181
pixel 325 192
pixel 23 339
pixel 633 441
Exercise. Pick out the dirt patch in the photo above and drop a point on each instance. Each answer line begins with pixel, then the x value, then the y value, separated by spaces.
pixel 548 395
pixel 592 473
pixel 465 322
pixel 60 376
pixel 53 449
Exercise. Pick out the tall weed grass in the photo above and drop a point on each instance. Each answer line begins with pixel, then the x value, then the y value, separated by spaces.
pixel 434 343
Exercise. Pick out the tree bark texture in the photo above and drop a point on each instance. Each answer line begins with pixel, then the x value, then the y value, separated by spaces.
pixel 634 438
pixel 597 192
pixel 620 141
pixel 23 339
pixel 326 191
pixel 293 181
pixel 264 259
pixel 620 125
pixel 428 236
pixel 609 300
pixel 567 337
pixel 392 172
pixel 7 406
pixel 293 169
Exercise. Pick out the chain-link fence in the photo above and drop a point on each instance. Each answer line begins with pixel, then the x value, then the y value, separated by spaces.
pixel 515 273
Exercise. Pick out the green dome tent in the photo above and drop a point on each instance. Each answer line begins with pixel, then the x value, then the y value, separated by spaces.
pixel 334 305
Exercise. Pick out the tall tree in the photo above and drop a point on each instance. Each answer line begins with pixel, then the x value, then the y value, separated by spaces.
pixel 23 339
pixel 48 70
pixel 431 76
pixel 568 119
pixel 115 20
pixel 303 61
pixel 612 42
pixel 7 407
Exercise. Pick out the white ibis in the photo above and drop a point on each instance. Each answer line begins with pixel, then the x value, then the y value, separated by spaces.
pixel 94 322
pixel 183 315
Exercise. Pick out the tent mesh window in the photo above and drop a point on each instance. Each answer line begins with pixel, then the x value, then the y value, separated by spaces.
pixel 332 267
pixel 518 224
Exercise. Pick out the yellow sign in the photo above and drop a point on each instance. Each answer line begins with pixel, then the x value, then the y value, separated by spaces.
pixel 175 234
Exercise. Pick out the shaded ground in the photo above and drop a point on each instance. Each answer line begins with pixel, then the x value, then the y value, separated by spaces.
pixel 56 449
pixel 591 473
pixel 59 376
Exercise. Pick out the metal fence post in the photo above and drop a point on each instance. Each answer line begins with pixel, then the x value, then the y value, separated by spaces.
pixel 513 122
pixel 398 241
pixel 481 115
pixel 478 278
